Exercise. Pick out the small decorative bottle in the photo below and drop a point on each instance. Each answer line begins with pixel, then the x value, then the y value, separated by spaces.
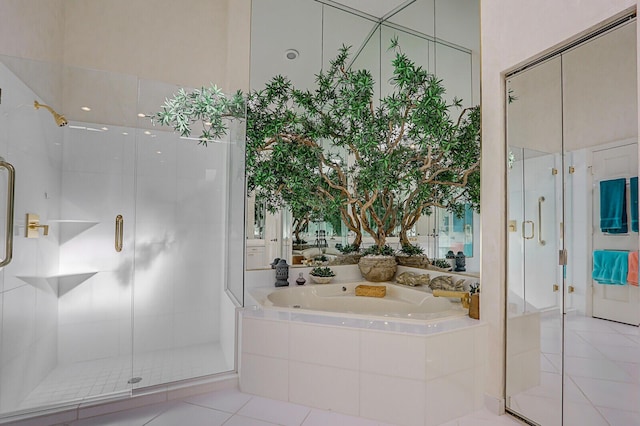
pixel 300 280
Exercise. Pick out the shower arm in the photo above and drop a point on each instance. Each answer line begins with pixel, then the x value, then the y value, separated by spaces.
pixel 60 120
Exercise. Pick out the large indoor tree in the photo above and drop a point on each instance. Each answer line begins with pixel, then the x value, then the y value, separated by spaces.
pixel 380 163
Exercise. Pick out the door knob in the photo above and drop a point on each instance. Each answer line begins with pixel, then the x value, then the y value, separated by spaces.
pixel 571 289
pixel 555 288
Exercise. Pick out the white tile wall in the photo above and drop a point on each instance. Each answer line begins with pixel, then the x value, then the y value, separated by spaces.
pixel 328 388
pixel 379 354
pixel 392 399
pixel 418 377
pixel 330 346
pixel 261 375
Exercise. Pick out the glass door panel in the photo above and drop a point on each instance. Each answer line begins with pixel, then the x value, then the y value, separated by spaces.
pixel 181 195
pixel 602 312
pixel 534 310
pixel 66 295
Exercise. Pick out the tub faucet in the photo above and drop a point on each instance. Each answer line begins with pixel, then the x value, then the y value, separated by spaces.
pixel 464 296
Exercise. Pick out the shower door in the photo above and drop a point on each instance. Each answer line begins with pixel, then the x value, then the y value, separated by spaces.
pixel 124 238
pixel 572 359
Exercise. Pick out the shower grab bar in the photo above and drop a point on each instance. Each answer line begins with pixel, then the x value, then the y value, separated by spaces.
pixel 119 232
pixel 11 186
pixel 540 240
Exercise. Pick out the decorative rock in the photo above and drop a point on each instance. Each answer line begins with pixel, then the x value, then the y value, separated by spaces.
pixel 413 261
pixel 445 282
pixel 378 268
pixel 413 279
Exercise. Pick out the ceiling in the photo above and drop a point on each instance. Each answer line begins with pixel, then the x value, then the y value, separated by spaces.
pixel 317 29
pixel 375 8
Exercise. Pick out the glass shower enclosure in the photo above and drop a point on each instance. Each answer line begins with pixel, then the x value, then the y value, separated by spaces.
pixel 122 242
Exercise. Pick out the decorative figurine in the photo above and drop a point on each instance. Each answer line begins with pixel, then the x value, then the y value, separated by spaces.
pixel 274 263
pixel 282 273
pixel 451 258
pixel 460 262
pixel 300 280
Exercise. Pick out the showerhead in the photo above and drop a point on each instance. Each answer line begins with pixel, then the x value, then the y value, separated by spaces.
pixel 60 120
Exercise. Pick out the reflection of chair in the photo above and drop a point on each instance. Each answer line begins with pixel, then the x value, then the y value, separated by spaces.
pixel 321 240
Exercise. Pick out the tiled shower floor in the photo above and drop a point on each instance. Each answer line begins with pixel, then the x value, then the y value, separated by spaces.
pixel 110 375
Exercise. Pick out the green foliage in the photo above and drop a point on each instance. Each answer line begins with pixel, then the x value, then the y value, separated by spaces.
pixel 208 107
pixel 322 272
pixel 412 250
pixel 380 164
pixel 441 263
pixel 375 250
pixel 349 248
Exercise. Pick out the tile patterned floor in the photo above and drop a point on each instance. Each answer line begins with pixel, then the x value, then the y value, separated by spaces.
pixel 602 367
pixel 111 375
pixel 233 408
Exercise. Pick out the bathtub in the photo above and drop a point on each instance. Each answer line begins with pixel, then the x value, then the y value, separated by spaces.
pixel 400 302
pixel 405 359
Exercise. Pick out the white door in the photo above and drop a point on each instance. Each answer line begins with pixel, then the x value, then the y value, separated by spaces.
pixel 614 302
pixel 272 233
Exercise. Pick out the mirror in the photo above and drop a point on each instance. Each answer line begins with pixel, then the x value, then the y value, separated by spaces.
pixel 572 126
pixel 327 26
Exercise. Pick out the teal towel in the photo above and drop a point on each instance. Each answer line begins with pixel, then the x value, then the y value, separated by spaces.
pixel 633 183
pixel 613 206
pixel 610 266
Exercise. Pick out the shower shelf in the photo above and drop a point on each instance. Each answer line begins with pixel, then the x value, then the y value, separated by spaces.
pixel 70 228
pixel 59 284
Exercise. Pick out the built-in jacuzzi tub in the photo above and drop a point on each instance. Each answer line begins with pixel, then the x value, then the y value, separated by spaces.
pixel 400 302
pixel 408 358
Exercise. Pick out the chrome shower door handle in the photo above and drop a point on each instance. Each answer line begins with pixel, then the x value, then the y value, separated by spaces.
pixel 540 240
pixel 118 233
pixel 11 186
pixel 533 229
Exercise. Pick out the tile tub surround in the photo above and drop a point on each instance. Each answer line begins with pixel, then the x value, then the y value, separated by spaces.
pixel 401 372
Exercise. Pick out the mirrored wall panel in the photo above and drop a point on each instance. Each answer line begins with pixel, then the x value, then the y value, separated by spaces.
pixel 573 306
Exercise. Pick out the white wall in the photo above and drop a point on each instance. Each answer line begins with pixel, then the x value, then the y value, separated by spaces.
pixel 30 141
pixel 189 43
pixel 512 33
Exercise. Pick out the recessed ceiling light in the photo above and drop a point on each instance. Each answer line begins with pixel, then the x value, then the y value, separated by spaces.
pixel 158 152
pixel 291 54
pixel 105 128
pixel 85 108
pixel 125 133
pixel 146 132
pixel 142 115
